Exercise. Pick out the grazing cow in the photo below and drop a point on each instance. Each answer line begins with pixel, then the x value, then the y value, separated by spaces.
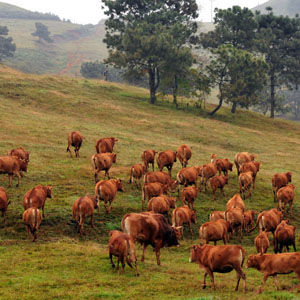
pixel 82 208
pixel 207 171
pixel 106 190
pixel 249 216
pixel 251 166
pixel 184 215
pixel 215 231
pixel 188 176
pixel 189 194
pixel 273 264
pixel 218 182
pixel 74 139
pixel 162 205
pixel 235 202
pixel 36 197
pixel 20 153
pixel 12 166
pixel 122 245
pixel 153 189
pixel 235 216
pixel 262 242
pixel 103 162
pixel 220 259
pixel 222 164
pixel 32 218
pixel 150 229
pixel 166 159
pixel 136 172
pixel 245 182
pixel 284 235
pixel 105 145
pixel 3 203
pixel 184 153
pixel 241 158
pixel 148 157
pixel 161 177
pixel 286 196
pixel 280 180
pixel 217 215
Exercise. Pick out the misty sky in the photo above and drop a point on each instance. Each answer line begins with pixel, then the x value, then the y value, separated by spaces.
pixel 89 11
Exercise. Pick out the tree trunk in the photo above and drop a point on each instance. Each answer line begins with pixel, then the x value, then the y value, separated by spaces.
pixel 175 90
pixel 154 80
pixel 233 108
pixel 272 99
pixel 220 101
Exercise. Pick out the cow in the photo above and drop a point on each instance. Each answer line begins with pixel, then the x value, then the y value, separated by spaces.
pixel 188 176
pixel 189 194
pixel 248 219
pixel 273 264
pixel 207 171
pixel 136 172
pixel 12 166
pixel 262 242
pixel 245 182
pixel 106 145
pixel 82 208
pixel 217 215
pixel 251 166
pixel 215 231
pixel 103 162
pixel 286 196
pixel 148 157
pixel 32 218
pixel 122 245
pixel 153 189
pixel 75 139
pixel 184 153
pixel 222 164
pixel 150 229
pixel 235 202
pixel 3 203
pixel 280 180
pixel 36 197
pixel 166 159
pixel 20 153
pixel 184 215
pixel 235 216
pixel 284 235
pixel 106 190
pixel 161 177
pixel 220 259
pixel 241 158
pixel 162 205
pixel 218 182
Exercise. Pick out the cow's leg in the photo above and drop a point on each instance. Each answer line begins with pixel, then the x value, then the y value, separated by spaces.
pixel 274 194
pixel 266 275
pixel 96 176
pixel 118 261
pixel 68 150
pixel 111 260
pixel 9 180
pixel 290 208
pixel 19 177
pixel 27 229
pixel 43 211
pixel 211 275
pixel 240 274
pixel 152 167
pixel 204 279
pixel 144 250
pixel 294 246
pixel 276 282
pixel 215 243
pixel 157 252
pixel 92 220
pixel 190 227
pixel 122 259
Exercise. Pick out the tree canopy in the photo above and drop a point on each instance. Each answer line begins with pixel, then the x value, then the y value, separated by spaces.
pixel 7 47
pixel 42 32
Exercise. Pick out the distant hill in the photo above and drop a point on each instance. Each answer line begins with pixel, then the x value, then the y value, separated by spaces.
pixel 281 7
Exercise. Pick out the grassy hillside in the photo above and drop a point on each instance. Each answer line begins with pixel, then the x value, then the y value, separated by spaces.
pixel 37 112
pixel 281 7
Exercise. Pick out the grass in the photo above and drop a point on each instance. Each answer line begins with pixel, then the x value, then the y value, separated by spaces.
pixel 37 112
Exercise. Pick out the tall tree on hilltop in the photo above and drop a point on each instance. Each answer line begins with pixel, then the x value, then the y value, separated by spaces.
pixel 7 47
pixel 42 32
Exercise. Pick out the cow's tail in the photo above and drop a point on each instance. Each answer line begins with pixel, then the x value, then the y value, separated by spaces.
pixel 128 254
pixel 34 223
pixel 257 222
pixel 174 218
pixel 143 195
pixel 131 175
pixel 125 224
pixel 94 161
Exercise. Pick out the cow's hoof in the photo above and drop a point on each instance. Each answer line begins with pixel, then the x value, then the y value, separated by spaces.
pixel 203 286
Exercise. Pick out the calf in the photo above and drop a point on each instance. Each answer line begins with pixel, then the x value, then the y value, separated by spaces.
pixel 161 177
pixel 189 194
pixel 235 216
pixel 148 157
pixel 279 180
pixel 235 202
pixel 222 164
pixel 252 166
pixel 20 153
pixel 207 171
pixel 3 203
pixel 166 159
pixel 286 196
pixel 184 153
pixel 273 264
pixel 105 145
pixel 122 245
pixel 106 190
pixel 82 208
pixel 36 197
pixel 262 242
pixel 241 158
pixel 162 205
pixel 284 236
pixel 184 215
pixel 74 139
pixel 218 182
pixel 136 172
pixel 153 189
pixel 188 176
pixel 103 162
pixel 217 215
pixel 245 182
pixel 248 219
pixel 220 259
pixel 32 219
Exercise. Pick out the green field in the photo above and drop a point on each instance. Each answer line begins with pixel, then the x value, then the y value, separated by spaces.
pixel 37 112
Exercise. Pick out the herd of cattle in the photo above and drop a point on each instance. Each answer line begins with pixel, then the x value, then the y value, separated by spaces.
pixel 153 227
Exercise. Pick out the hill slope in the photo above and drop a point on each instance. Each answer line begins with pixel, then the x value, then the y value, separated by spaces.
pixel 281 7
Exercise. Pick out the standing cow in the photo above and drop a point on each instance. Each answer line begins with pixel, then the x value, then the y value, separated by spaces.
pixel 103 162
pixel 184 154
pixel 75 139
pixel 105 145
pixel 166 159
pixel 280 180
pixel 148 157
pixel 32 218
pixel 3 203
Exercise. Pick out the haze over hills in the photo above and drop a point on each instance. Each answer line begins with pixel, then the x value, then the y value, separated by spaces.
pixel 281 7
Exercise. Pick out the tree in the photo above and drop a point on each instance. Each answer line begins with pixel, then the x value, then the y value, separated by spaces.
pixel 140 34
pixel 7 47
pixel 42 32
pixel 93 69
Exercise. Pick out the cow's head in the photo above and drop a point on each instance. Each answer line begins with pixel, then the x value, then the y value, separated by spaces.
pixel 252 261
pixel 144 168
pixel 120 185
pixel 113 140
pixel 95 201
pixel 252 157
pixel 114 157
pixel 257 165
pixel 213 157
pixel 194 250
pixel 172 185
pixel 49 191
pixel 172 236
pixel 230 166
pixel 289 176
pixel 23 165
pixel 225 179
pixel 172 202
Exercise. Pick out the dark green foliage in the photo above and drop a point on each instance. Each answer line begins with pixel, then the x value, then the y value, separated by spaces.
pixel 7 47
pixel 93 69
pixel 42 32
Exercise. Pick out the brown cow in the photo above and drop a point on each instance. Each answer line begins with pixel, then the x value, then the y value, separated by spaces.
pixel 136 172
pixel 36 197
pixel 32 219
pixel 166 159
pixel 222 164
pixel 161 177
pixel 150 229
pixel 217 215
pixel 218 182
pixel 74 139
pixel 20 153
pixel 220 259
pixel 286 195
pixel 184 215
pixel 245 182
pixel 106 190
pixel 103 162
pixel 280 180
pixel 188 176
pixel 148 157
pixel 3 203
pixel 189 194
pixel 122 245
pixel 184 153
pixel 262 242
pixel 284 235
pixel 82 208
pixel 249 216
pixel 105 145
pixel 12 166
pixel 215 231
pixel 235 202
pixel 207 171
pixel 235 216
pixel 241 158
pixel 153 189
pixel 162 205
pixel 252 166
pixel 273 264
